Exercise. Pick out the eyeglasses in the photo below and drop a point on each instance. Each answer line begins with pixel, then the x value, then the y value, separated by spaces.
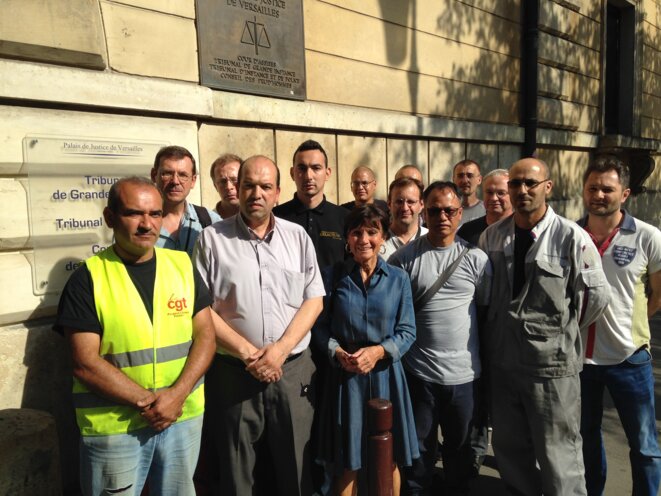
pixel 167 175
pixel 448 211
pixel 530 183
pixel 499 193
pixel 364 184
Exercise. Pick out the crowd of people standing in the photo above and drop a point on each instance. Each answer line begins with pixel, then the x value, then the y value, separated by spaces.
pixel 257 332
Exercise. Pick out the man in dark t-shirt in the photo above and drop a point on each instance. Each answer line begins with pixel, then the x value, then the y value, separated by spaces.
pixel 138 321
pixel 321 219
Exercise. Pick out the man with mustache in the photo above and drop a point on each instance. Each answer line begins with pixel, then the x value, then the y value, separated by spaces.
pixel 265 283
pixel 175 176
pixel 321 219
pixel 547 285
pixel 617 345
pixel 138 321
pixel 224 174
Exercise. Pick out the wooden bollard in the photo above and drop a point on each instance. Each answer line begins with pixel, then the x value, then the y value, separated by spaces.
pixel 379 422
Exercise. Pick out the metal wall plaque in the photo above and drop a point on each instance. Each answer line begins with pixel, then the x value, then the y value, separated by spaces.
pixel 252 46
pixel 68 183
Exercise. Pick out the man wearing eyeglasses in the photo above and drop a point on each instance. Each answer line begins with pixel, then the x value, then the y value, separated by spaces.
pixel 548 284
pixel 224 174
pixel 466 175
pixel 405 203
pixel 175 175
pixel 444 362
pixel 363 187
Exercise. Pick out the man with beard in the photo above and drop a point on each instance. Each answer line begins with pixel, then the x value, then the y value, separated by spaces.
pixel 175 175
pixel 617 345
pixel 547 285
pixel 466 175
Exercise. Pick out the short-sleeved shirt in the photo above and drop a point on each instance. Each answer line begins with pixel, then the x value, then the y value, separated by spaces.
pixel 471 213
pixel 189 229
pixel 324 224
pixel 258 285
pixel 633 253
pixel 446 349
pixel 77 308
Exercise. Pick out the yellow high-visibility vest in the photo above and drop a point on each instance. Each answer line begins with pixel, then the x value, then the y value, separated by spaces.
pixel 152 355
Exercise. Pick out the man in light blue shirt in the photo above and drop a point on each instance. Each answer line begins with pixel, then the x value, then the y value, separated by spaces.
pixel 175 175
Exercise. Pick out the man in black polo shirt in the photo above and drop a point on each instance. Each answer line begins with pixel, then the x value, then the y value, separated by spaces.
pixel 322 220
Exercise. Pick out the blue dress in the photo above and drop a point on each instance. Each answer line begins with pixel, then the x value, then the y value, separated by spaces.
pixel 354 317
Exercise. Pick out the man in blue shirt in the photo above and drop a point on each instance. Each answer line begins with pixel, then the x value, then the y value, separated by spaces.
pixel 175 175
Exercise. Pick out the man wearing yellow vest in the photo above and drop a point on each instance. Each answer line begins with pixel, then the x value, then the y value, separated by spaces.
pixel 142 336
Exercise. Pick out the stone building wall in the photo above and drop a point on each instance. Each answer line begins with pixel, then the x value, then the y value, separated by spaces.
pixel 389 82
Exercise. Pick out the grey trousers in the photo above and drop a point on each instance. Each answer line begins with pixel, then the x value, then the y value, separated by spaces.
pixel 244 413
pixel 536 436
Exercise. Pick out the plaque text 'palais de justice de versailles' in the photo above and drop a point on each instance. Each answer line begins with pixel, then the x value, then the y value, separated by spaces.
pixel 252 46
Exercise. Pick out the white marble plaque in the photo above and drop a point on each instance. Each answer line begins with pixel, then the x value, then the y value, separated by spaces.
pixel 68 180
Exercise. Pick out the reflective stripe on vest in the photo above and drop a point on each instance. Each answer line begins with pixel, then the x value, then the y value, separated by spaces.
pixel 153 356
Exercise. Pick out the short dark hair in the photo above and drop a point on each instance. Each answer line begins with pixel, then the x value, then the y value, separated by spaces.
pixel 308 145
pixel 369 215
pixel 277 170
pixel 175 152
pixel 441 185
pixel 113 194
pixel 606 162
pixel 403 182
pixel 226 158
pixel 466 162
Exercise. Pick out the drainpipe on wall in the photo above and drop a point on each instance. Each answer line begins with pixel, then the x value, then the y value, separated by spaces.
pixel 529 50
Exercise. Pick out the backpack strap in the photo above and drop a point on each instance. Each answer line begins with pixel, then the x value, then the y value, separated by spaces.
pixel 203 215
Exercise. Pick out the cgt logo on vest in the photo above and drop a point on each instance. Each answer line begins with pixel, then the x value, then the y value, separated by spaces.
pixel 178 306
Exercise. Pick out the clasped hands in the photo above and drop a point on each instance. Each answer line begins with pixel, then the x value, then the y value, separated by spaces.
pixel 362 361
pixel 265 364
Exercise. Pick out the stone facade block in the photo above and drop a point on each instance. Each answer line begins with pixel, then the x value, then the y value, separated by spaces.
pixel 442 157
pixel 181 8
pixel 149 43
pixel 69 33
pixel 408 152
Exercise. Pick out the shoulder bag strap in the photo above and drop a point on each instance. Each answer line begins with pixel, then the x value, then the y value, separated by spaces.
pixel 442 279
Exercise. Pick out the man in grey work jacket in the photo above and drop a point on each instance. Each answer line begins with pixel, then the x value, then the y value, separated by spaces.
pixel 547 285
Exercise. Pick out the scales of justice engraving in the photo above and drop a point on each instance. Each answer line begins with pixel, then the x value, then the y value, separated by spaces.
pixel 254 33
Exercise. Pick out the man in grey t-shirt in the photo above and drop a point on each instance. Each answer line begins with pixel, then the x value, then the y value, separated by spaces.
pixel 444 361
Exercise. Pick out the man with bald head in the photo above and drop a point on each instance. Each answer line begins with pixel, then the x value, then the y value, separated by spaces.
pixel 411 171
pixel 263 276
pixel 363 187
pixel 548 284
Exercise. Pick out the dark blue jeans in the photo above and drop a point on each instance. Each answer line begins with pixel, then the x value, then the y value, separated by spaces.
pixel 451 407
pixel 631 385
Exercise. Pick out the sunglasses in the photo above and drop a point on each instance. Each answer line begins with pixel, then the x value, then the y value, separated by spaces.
pixel 529 183
pixel 448 211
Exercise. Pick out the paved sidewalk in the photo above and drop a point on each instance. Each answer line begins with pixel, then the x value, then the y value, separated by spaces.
pixel 618 482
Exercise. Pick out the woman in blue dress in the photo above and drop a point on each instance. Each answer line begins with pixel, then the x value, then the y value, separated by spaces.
pixel 366 327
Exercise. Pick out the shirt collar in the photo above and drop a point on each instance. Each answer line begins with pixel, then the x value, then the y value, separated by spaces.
pixel 627 223
pixel 247 233
pixel 301 208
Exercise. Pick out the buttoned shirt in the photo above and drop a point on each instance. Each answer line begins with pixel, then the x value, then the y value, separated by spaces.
pixel 393 243
pixel 189 229
pixel 258 285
